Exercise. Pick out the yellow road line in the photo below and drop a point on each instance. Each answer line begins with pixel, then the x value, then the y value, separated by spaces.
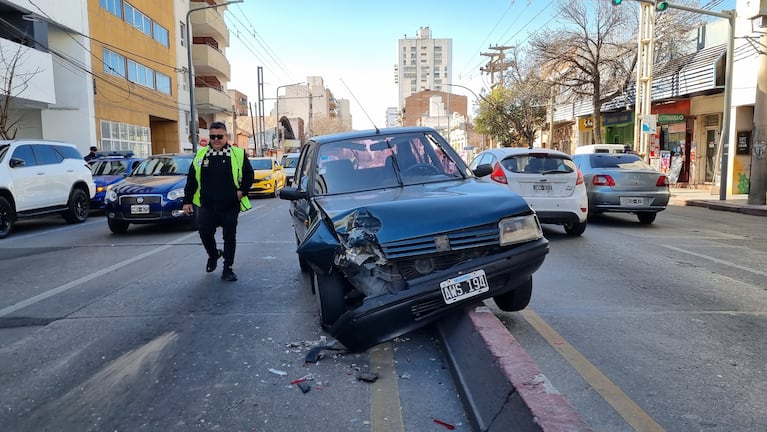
pixel 612 394
pixel 385 404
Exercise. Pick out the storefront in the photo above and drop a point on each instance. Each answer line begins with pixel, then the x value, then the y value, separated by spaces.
pixel 672 140
pixel 618 127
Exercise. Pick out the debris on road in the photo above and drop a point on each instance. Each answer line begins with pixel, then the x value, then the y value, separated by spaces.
pixel 447 426
pixel 367 376
pixel 278 372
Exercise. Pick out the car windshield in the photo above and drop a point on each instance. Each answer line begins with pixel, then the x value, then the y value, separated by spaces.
pixel 382 162
pixel 261 164
pixel 621 161
pixel 289 162
pixel 157 166
pixel 538 164
pixel 108 167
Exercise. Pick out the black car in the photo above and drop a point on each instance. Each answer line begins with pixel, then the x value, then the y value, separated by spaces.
pixel 152 193
pixel 396 230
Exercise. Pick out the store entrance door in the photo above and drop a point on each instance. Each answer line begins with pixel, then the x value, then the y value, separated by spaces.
pixel 712 137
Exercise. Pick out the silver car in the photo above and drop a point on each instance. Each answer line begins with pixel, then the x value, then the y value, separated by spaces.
pixel 623 183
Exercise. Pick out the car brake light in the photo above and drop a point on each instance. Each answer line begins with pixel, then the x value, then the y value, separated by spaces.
pixel 497 175
pixel 662 181
pixel 602 180
pixel 579 180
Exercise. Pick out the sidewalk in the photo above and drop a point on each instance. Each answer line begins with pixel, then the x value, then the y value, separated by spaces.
pixel 710 199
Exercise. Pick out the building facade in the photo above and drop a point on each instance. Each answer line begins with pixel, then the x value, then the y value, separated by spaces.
pixel 423 63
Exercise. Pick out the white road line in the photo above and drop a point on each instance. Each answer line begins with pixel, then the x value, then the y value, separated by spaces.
pixel 69 285
pixel 717 260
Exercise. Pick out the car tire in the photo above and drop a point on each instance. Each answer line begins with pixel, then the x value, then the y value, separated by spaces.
pixel 329 291
pixel 575 229
pixel 7 217
pixel 78 207
pixel 646 218
pixel 117 227
pixel 517 299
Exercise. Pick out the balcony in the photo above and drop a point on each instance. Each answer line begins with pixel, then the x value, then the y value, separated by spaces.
pixel 210 100
pixel 33 75
pixel 210 23
pixel 210 61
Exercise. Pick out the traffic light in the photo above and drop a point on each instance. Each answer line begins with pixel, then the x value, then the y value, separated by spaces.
pixel 617 2
pixel 659 5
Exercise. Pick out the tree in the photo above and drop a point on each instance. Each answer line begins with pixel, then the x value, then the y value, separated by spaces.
pixel 13 83
pixel 514 112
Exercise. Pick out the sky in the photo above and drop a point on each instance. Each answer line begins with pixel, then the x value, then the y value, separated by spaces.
pixel 352 44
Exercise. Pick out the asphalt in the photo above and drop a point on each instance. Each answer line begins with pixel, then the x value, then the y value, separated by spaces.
pixel 508 391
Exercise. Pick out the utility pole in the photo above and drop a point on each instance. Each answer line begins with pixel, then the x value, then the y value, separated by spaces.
pixel 256 138
pixel 757 192
pixel 645 57
pixel 496 64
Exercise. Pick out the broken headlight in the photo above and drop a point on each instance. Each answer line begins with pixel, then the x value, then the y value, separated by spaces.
pixel 519 229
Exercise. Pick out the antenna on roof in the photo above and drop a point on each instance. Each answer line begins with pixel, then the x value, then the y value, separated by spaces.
pixel 361 107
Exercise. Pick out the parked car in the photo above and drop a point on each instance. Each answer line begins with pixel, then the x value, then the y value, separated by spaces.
pixel 601 148
pixel 108 170
pixel 40 177
pixel 152 193
pixel 289 162
pixel 623 182
pixel 547 179
pixel 268 176
pixel 395 231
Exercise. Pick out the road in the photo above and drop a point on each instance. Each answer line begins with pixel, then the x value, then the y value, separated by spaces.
pixel 657 327
pixel 645 328
pixel 102 332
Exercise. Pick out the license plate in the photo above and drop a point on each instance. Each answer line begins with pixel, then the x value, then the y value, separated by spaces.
pixel 632 201
pixel 139 209
pixel 542 187
pixel 464 286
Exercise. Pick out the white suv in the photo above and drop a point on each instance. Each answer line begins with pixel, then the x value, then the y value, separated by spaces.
pixel 42 177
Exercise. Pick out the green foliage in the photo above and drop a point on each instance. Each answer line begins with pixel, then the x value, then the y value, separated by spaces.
pixel 514 115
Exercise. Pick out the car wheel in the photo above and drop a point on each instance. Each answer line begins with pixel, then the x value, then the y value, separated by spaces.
pixel 575 229
pixel 646 218
pixel 517 299
pixel 7 217
pixel 117 227
pixel 77 207
pixel 330 297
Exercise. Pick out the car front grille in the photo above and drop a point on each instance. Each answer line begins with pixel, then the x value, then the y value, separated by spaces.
pixel 475 237
pixel 145 199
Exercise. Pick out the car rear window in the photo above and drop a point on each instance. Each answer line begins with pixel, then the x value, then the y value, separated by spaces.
pixel 624 160
pixel 537 164
pixel 68 152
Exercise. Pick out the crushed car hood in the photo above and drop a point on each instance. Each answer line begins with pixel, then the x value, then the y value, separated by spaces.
pixel 450 205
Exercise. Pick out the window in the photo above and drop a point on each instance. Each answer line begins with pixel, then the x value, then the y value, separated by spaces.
pixel 160 34
pixel 163 83
pixel 112 6
pixel 25 153
pixel 46 155
pixel 114 63
pixel 182 33
pixel 140 74
pixel 118 137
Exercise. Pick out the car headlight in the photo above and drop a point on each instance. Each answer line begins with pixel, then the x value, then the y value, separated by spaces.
pixel 519 229
pixel 267 178
pixel 175 194
pixel 111 196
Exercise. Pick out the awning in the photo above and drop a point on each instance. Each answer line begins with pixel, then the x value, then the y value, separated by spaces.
pixel 698 73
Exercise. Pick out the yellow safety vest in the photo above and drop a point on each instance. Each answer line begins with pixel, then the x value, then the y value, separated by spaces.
pixel 237 156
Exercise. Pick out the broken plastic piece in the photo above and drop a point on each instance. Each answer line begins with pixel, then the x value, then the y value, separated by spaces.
pixel 278 372
pixel 314 354
pixel 447 426
pixel 304 386
pixel 367 376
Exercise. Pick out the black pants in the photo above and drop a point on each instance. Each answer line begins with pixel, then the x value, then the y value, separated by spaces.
pixel 226 218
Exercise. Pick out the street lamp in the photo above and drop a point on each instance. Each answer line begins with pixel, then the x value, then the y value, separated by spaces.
pixel 192 110
pixel 477 98
pixel 277 110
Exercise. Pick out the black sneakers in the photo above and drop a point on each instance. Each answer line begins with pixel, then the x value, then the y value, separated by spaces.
pixel 212 262
pixel 228 275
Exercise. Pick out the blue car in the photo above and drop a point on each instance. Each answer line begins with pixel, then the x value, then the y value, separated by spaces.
pixel 152 193
pixel 108 170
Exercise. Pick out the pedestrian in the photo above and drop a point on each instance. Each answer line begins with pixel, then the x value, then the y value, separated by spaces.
pixel 217 188
pixel 92 155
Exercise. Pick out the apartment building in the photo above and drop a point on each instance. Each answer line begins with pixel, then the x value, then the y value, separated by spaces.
pixel 423 63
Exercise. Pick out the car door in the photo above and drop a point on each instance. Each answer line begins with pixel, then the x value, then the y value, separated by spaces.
pixel 301 209
pixel 58 176
pixel 27 178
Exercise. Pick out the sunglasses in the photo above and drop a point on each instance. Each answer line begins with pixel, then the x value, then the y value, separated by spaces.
pixel 217 137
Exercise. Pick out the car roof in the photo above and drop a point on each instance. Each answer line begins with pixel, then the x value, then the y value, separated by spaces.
pixel 513 151
pixel 35 141
pixel 372 132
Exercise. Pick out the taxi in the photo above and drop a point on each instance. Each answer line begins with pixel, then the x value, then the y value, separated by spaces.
pixel 268 176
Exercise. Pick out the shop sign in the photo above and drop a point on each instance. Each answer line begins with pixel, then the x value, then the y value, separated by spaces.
pixel 585 123
pixel 670 118
pixel 617 118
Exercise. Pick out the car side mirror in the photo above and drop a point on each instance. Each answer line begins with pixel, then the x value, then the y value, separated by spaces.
pixel 292 194
pixel 483 170
pixel 16 162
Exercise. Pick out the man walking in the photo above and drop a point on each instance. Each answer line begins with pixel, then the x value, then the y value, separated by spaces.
pixel 217 184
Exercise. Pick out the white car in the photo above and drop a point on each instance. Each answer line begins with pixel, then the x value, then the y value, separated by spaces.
pixel 289 162
pixel 40 177
pixel 548 179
